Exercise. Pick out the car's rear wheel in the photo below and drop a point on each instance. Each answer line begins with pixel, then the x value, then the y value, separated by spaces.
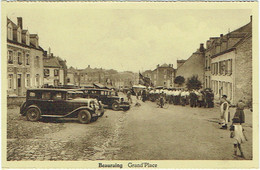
pixel 33 114
pixel 115 106
pixel 84 116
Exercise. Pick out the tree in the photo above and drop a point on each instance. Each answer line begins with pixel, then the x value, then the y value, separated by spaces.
pixel 193 83
pixel 179 80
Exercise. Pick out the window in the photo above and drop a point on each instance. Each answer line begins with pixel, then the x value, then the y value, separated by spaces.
pixel 46 72
pixel 216 67
pixel 58 96
pixel 32 94
pixel 56 72
pixel 229 68
pixel 20 61
pixel 37 62
pixel 37 80
pixel 10 57
pixel 27 59
pixel 231 90
pixel 10 81
pixel 19 35
pixel 10 32
pixel 28 81
pixel 46 95
pixel 68 80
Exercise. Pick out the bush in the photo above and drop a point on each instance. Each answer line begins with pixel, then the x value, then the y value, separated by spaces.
pixel 193 83
pixel 179 80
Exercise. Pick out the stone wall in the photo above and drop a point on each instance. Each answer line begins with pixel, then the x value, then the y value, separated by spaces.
pixel 193 66
pixel 243 79
pixel 15 100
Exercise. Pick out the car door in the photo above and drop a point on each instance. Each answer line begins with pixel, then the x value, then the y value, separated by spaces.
pixel 46 103
pixel 59 103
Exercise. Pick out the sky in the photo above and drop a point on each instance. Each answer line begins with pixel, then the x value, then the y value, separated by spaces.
pixel 126 39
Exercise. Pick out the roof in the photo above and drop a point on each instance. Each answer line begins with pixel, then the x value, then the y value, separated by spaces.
pixel 51 62
pixel 164 65
pixel 13 24
pixel 242 33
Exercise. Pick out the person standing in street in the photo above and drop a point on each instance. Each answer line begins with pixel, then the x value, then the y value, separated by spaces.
pixel 237 131
pixel 193 99
pixel 183 98
pixel 224 112
pixel 129 98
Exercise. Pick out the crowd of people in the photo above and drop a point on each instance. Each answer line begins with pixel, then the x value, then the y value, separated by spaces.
pixel 194 98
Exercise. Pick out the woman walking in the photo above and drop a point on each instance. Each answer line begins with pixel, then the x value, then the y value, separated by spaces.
pixel 237 131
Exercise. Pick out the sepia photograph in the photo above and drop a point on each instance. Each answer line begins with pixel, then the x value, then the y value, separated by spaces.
pixel 129 86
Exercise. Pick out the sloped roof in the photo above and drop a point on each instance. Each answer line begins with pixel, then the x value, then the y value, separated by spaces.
pixel 13 24
pixel 51 62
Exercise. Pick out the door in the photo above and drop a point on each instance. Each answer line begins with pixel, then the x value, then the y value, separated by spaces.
pixel 19 84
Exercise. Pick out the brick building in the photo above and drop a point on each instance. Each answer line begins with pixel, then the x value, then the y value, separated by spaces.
pixel 194 65
pixel 230 57
pixel 24 63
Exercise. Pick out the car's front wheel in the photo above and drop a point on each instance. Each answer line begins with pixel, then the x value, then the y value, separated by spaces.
pixel 33 114
pixel 84 116
pixel 115 106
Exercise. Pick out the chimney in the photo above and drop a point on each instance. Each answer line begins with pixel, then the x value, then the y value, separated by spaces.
pixel 49 50
pixel 251 18
pixel 88 66
pixel 201 47
pixel 221 35
pixel 20 22
pixel 158 65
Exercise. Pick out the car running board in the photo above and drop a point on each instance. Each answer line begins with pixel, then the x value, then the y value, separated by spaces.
pixel 56 116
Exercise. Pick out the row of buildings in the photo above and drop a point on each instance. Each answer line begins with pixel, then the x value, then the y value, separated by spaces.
pixel 28 64
pixel 110 78
pixel 224 65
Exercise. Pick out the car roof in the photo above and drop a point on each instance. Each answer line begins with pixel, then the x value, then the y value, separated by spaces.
pixel 48 89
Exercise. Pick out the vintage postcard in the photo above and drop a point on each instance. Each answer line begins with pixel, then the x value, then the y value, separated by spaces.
pixel 130 85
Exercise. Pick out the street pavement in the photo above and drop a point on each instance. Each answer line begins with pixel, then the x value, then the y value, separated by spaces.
pixel 145 132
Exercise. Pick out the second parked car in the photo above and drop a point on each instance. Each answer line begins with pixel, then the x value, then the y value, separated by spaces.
pixel 108 97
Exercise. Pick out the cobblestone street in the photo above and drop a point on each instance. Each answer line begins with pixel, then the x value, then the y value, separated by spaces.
pixel 145 132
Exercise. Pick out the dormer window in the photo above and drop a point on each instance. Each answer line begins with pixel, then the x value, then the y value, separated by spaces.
pixel 27 38
pixel 19 35
pixel 10 32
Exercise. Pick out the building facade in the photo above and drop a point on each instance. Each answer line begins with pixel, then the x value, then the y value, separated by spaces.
pixel 53 71
pixel 231 65
pixel 163 76
pixel 193 66
pixel 24 59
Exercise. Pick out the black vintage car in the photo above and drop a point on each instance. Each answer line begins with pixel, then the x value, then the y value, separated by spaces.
pixel 108 97
pixel 60 103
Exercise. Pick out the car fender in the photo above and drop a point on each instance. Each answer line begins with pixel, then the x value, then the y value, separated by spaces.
pixel 76 111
